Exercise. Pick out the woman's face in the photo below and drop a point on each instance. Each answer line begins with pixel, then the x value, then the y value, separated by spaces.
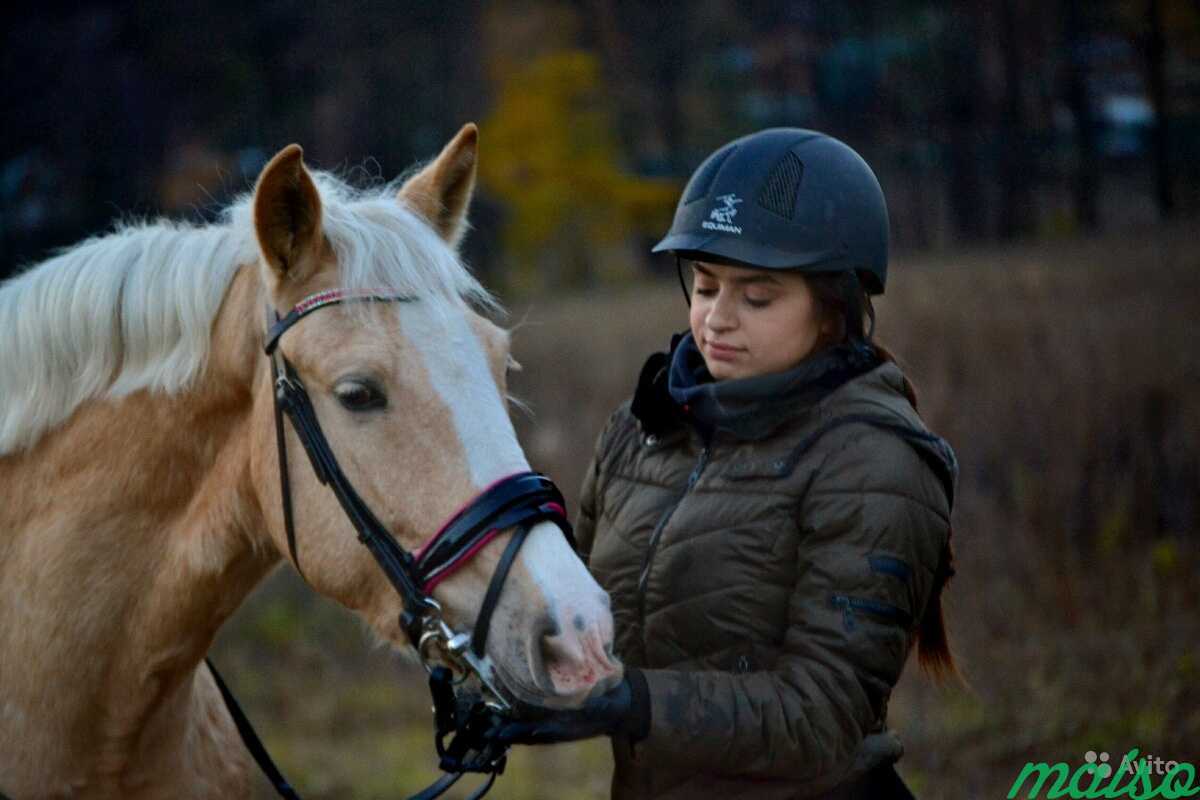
pixel 750 322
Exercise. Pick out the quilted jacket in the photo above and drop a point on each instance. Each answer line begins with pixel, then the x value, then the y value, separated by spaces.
pixel 768 557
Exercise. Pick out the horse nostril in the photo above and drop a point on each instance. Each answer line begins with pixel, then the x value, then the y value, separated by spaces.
pixel 555 647
pixel 546 628
pixel 577 659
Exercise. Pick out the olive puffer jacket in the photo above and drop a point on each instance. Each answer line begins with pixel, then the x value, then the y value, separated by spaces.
pixel 767 577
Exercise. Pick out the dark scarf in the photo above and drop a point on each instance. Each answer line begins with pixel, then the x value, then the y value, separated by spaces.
pixel 748 408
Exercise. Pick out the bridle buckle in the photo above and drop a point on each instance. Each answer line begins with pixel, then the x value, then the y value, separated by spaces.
pixel 284 387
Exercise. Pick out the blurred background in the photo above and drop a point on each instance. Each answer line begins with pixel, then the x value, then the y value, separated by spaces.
pixel 1041 160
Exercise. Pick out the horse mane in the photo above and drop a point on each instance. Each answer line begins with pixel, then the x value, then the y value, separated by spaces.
pixel 133 309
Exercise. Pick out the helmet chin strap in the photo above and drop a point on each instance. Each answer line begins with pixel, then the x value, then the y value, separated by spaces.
pixel 854 285
pixel 687 297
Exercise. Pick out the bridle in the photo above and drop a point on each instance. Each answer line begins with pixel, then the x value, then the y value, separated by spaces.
pixel 518 501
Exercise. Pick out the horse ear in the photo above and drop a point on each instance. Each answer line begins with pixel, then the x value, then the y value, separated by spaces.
pixel 442 190
pixel 287 215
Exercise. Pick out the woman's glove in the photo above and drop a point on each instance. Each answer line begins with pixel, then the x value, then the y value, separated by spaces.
pixel 623 710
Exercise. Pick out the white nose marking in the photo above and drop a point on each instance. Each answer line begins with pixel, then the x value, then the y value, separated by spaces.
pixel 576 650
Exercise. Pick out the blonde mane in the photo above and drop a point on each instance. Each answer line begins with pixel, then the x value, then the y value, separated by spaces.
pixel 133 310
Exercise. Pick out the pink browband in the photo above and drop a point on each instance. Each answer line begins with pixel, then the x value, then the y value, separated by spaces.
pixel 320 300
pixel 315 301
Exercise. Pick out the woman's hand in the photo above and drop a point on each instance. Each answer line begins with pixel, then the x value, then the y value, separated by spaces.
pixel 623 710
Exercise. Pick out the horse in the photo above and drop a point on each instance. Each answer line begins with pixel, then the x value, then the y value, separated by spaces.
pixel 141 474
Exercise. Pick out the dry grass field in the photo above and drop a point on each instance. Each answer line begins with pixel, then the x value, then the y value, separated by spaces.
pixel 1066 375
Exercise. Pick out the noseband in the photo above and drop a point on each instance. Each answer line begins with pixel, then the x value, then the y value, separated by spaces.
pixel 518 501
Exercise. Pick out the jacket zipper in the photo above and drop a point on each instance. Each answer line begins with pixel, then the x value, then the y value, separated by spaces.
pixel 851 606
pixel 644 578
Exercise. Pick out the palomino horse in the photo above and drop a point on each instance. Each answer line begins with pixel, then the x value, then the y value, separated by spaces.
pixel 141 483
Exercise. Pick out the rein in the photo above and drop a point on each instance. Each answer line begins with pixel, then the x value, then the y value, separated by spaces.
pixel 518 501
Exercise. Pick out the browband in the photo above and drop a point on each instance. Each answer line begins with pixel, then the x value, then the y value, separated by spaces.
pixel 328 297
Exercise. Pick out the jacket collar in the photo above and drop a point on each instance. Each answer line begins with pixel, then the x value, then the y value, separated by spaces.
pixel 678 386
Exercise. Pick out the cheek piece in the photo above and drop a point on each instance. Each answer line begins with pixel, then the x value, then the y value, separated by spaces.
pixel 517 502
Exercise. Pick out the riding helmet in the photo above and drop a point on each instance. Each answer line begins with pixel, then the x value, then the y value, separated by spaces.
pixel 785 198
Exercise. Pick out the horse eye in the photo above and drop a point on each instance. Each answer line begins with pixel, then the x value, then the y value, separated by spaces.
pixel 360 396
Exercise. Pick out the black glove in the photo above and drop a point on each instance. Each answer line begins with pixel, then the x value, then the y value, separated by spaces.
pixel 622 711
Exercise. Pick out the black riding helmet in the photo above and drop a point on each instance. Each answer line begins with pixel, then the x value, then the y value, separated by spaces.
pixel 785 198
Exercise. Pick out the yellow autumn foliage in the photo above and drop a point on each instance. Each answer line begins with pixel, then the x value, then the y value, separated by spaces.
pixel 552 156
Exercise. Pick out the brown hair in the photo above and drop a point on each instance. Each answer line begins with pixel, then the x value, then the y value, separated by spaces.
pixel 847 316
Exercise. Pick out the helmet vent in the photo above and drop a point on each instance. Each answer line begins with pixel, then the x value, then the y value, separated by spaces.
pixel 778 194
pixel 703 180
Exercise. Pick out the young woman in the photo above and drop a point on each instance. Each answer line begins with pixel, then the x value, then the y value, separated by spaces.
pixel 769 514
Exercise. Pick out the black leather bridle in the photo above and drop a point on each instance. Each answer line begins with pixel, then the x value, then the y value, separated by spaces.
pixel 518 501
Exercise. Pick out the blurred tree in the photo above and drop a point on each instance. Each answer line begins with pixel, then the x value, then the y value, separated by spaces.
pixel 1155 48
pixel 154 108
pixel 1085 182
pixel 644 47
pixel 686 78
pixel 1018 173
pixel 1166 34
pixel 81 135
pixel 964 112
pixel 974 112
pixel 553 159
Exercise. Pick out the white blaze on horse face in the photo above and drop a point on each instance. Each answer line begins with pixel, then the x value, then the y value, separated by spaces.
pixel 572 656
pixel 458 369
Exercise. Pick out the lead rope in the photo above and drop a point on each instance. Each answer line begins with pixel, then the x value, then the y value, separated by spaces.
pixel 440 684
pixel 251 740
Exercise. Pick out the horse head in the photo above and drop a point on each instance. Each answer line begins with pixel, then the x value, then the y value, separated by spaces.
pixel 411 397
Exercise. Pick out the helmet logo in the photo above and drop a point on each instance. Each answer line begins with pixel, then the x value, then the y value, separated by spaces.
pixel 721 219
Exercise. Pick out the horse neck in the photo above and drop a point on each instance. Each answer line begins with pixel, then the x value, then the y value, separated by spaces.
pixel 129 539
